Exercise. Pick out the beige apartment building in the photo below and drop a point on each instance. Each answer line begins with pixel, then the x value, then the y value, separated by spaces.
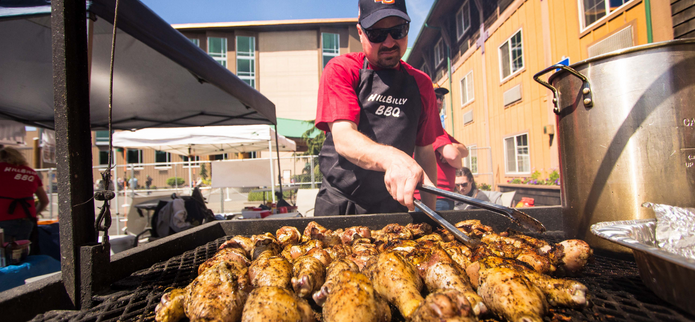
pixel 281 59
pixel 487 51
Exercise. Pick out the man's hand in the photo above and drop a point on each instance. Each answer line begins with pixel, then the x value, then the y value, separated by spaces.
pixel 402 173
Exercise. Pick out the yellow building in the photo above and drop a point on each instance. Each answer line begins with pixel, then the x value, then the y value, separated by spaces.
pixel 486 52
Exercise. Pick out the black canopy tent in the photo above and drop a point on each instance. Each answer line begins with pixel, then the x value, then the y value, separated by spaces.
pixel 161 79
pixel 54 67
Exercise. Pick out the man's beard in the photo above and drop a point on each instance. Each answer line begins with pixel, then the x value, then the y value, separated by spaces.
pixel 390 62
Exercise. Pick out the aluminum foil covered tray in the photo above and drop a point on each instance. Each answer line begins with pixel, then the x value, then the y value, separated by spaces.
pixel 670 276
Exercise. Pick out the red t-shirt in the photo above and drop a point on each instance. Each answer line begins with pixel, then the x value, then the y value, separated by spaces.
pixel 17 182
pixel 446 174
pixel 337 98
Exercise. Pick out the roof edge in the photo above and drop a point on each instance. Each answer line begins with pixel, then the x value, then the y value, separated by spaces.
pixel 237 24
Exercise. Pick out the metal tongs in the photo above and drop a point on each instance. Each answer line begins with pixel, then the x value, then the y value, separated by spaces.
pixel 514 215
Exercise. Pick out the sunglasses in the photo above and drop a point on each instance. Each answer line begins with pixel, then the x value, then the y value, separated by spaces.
pixel 378 35
pixel 462 185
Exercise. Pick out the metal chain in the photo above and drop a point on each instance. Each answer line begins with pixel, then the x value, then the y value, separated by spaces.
pixel 103 222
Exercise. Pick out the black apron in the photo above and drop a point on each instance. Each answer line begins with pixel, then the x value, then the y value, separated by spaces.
pixel 390 111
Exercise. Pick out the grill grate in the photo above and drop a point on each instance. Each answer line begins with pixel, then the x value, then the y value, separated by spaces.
pixel 616 290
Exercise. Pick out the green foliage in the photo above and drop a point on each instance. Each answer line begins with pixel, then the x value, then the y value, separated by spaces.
pixel 203 171
pixel 306 174
pixel 484 186
pixel 535 179
pixel 258 195
pixel 314 144
pixel 174 181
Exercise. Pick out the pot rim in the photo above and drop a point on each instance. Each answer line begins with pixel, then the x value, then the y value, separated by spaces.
pixel 623 52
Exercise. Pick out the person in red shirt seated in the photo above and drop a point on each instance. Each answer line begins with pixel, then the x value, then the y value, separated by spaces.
pixel 18 185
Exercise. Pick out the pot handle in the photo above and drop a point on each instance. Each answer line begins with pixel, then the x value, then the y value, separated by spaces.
pixel 586 88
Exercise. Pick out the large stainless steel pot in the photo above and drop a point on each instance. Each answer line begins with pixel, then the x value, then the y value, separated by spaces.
pixel 626 131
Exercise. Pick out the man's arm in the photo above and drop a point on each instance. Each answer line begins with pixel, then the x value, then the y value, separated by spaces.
pixel 424 155
pixel 453 154
pixel 402 172
pixel 43 200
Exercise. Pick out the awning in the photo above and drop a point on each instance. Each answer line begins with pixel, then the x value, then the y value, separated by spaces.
pixel 296 128
pixel 204 140
pixel 161 79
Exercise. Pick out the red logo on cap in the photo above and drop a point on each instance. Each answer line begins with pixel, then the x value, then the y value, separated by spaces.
pixel 385 1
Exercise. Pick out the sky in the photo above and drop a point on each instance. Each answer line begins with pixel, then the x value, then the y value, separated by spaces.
pixel 195 11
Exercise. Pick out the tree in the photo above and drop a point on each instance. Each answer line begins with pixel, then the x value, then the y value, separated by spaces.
pixel 316 143
pixel 203 171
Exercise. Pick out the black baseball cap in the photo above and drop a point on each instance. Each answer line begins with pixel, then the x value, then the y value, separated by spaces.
pixel 372 11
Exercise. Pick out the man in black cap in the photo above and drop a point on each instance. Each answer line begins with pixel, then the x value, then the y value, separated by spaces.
pixel 378 112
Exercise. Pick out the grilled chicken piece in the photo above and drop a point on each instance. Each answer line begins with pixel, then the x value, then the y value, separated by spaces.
pixel 270 303
pixel 308 275
pixel 362 253
pixel 232 256
pixel 558 292
pixel 444 305
pixel 315 231
pixel 419 230
pixel 291 252
pixel 576 254
pixel 170 308
pixel 265 243
pixel 242 242
pixel 474 228
pixel 216 295
pixel 351 297
pixel 458 252
pixel 510 295
pixel 397 281
pixel 434 237
pixel 351 234
pixel 391 232
pixel 440 272
pixel 271 271
pixel 288 235
pixel 337 266
pixel 338 251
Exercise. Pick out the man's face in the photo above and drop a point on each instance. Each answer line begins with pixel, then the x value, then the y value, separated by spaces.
pixel 386 54
pixel 440 101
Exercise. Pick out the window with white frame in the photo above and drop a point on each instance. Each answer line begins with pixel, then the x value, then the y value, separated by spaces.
pixel 246 59
pixel 134 156
pixel 195 161
pixel 195 41
pixel 516 154
pixel 593 10
pixel 463 20
pixel 466 84
pixel 438 52
pixel 511 55
pixel 330 46
pixel 162 158
pixel 216 157
pixel 471 161
pixel 217 49
pixel 104 157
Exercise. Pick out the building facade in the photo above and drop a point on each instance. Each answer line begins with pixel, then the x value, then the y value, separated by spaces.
pixel 281 59
pixel 487 51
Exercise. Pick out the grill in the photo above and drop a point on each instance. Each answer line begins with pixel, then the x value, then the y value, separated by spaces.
pixel 616 290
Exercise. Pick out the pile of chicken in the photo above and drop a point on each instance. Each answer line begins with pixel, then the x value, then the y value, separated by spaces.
pixel 355 273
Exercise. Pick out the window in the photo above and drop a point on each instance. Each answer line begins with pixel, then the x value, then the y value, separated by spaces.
pixel 438 52
pixel 511 56
pixel 463 20
pixel 466 88
pixel 471 161
pixel 102 137
pixel 246 59
pixel 196 41
pixel 104 158
pixel 516 154
pixel 162 157
pixel 330 46
pixel 216 157
pixel 597 9
pixel 217 49
pixel 134 156
pixel 194 161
